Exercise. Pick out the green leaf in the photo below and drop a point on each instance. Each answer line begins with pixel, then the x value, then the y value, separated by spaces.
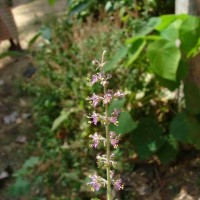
pixel 171 33
pixel 181 74
pixel 147 138
pixel 11 54
pixel 31 162
pixel 119 55
pixel 165 20
pixel 63 117
pixel 126 124
pixel 135 49
pixel 79 8
pixel 116 104
pixel 46 33
pixel 167 153
pixel 33 39
pixel 108 6
pixel 189 33
pixel 58 121
pixel 179 128
pixel 19 188
pixel 148 27
pixel 51 2
pixel 164 58
pixel 171 85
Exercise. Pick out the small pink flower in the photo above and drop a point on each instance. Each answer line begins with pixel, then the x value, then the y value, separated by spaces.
pixel 95 138
pixel 118 184
pixel 94 117
pixel 114 139
pixel 94 183
pixel 100 76
pixel 94 79
pixel 116 112
pixel 113 120
pixel 119 94
pixel 107 98
pixel 94 99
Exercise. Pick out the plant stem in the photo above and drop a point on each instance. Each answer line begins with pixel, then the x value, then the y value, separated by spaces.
pixel 109 196
pixel 107 151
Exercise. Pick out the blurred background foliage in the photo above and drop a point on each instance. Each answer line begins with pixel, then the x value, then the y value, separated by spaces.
pixel 147 53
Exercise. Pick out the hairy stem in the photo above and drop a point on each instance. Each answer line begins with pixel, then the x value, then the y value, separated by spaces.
pixel 107 151
pixel 109 196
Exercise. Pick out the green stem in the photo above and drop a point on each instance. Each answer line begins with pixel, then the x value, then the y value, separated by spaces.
pixel 109 197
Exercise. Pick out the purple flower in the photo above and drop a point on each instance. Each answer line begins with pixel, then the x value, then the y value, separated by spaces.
pixel 114 139
pixel 113 120
pixel 94 117
pixel 94 99
pixel 119 94
pixel 118 184
pixel 95 138
pixel 94 79
pixel 107 98
pixel 115 112
pixel 94 183
pixel 100 76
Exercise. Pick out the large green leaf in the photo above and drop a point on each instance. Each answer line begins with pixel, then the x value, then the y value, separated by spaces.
pixel 126 124
pixel 119 55
pixel 171 33
pixel 148 27
pixel 147 138
pixel 179 128
pixel 116 104
pixel 164 58
pixel 189 33
pixel 171 85
pixel 135 49
pixel 167 153
pixel 165 20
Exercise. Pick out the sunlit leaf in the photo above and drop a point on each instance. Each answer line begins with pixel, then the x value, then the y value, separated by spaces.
pixel 164 58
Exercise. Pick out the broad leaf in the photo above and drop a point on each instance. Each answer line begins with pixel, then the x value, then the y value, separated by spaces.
pixel 171 33
pixel 165 20
pixel 116 104
pixel 147 138
pixel 148 27
pixel 164 58
pixel 189 33
pixel 126 124
pixel 135 49
pixel 167 153
pixel 179 128
pixel 119 55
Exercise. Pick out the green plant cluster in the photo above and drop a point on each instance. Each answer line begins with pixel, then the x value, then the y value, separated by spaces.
pixel 149 63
